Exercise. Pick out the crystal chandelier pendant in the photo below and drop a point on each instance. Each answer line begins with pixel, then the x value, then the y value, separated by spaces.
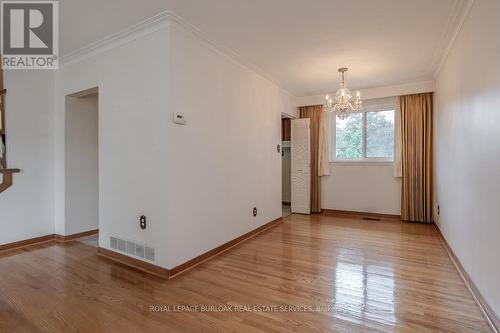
pixel 343 106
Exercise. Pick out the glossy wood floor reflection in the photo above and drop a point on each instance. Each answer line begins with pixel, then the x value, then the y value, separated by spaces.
pixel 370 276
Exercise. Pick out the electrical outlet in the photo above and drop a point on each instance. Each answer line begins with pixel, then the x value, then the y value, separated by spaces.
pixel 438 209
pixel 142 222
pixel 254 211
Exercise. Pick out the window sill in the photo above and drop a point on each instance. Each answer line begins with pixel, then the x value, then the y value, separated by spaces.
pixel 362 162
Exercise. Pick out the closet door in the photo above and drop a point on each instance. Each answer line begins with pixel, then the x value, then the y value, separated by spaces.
pixel 301 170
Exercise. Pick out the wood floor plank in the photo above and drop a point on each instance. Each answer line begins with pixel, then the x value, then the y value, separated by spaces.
pixel 341 274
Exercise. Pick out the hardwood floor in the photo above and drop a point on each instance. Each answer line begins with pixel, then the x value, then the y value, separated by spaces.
pixel 369 276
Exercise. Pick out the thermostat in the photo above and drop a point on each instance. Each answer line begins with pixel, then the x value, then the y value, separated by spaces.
pixel 179 118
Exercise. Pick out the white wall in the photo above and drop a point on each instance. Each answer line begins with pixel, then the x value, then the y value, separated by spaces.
pixel 361 187
pixel 133 116
pixel 26 208
pixel 82 166
pixel 467 148
pixel 197 183
pixel 224 161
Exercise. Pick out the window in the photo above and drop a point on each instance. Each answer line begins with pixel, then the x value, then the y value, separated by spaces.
pixel 363 136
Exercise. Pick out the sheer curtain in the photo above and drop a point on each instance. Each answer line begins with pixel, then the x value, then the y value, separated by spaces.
pixel 398 143
pixel 323 160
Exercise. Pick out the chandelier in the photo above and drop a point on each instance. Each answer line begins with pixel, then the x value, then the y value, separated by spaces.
pixel 343 105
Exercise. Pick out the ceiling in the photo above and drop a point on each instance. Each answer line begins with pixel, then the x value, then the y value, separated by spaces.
pixel 298 43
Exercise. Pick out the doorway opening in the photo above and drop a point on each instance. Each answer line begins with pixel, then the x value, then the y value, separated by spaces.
pixel 82 166
pixel 286 164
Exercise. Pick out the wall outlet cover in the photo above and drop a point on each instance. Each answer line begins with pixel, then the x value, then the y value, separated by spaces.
pixel 179 118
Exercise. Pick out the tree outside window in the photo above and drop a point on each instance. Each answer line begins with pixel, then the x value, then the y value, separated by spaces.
pixel 365 136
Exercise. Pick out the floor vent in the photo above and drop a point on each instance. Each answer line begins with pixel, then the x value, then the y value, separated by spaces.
pixel 132 248
pixel 371 218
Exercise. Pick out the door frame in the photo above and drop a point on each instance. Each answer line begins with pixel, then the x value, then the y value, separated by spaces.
pixel 291 117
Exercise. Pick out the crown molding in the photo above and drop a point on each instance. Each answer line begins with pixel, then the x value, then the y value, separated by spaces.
pixel 457 19
pixel 112 41
pixel 376 92
pixel 153 24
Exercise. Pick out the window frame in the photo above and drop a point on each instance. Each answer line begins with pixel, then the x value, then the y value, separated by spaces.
pixel 376 107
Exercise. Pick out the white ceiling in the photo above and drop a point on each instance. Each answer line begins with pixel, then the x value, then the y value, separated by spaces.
pixel 298 43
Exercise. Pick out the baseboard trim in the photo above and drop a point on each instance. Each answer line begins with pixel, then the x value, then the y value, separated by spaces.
pixel 67 238
pixel 142 265
pixel 46 238
pixel 360 215
pixel 222 248
pixel 487 311
pixel 171 273
pixel 134 263
pixel 27 242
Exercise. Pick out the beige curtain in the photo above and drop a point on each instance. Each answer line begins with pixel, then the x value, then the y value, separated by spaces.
pixel 416 138
pixel 319 151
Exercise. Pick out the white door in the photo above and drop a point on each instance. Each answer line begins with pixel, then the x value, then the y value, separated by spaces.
pixel 301 172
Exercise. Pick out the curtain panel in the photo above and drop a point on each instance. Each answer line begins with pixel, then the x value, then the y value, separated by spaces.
pixel 417 157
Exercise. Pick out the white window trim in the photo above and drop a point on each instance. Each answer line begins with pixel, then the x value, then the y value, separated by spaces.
pixel 362 162
pixel 375 106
